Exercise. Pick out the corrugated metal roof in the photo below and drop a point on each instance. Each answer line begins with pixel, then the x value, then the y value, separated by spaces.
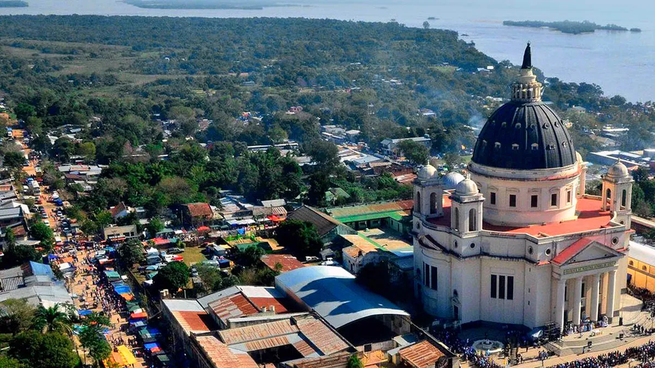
pixel 221 356
pixel 323 222
pixel 233 306
pixel 333 293
pixel 379 208
pixel 194 321
pixel 256 332
pixel 321 336
pixel 421 355
pixel 287 261
pixel 190 305
pixel 642 252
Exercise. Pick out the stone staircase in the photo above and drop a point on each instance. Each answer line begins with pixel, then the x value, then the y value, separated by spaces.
pixel 609 337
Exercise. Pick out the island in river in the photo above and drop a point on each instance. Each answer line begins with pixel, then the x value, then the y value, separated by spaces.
pixel 204 4
pixel 568 26
pixel 13 4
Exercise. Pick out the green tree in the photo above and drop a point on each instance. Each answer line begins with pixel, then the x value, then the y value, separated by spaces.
pixel 18 254
pixel 426 25
pixel 37 350
pixel 300 235
pixel 51 319
pixel 92 338
pixel 353 360
pixel 17 317
pixel 452 159
pixel 7 362
pixel 41 231
pixel 210 276
pixel 131 252
pixel 416 153
pixel 24 111
pixel 325 155
pixel 154 226
pixel 10 238
pixel 249 256
pixel 173 276
pixel 14 160
pixel 87 149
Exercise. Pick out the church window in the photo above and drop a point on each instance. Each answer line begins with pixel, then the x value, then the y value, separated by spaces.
pixel 615 240
pixel 517 126
pixel 551 147
pixel 532 126
pixel 624 198
pixel 534 201
pixel 492 198
pixel 433 203
pixel 568 196
pixel 632 263
pixel 504 124
pixel 553 199
pixel 515 147
pixel 494 285
pixel 548 251
pixel 472 220
pixel 643 268
pixel 501 287
pixel 455 244
pixel 545 126
pixel 456 225
pixel 433 275
pixel 556 124
pixel 563 144
pixel 512 200
pixel 455 294
pixel 472 245
pixel 535 146
pixel 530 250
pixel 497 145
pixel 426 275
pixel 417 207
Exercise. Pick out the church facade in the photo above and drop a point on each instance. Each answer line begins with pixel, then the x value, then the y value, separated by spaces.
pixel 518 241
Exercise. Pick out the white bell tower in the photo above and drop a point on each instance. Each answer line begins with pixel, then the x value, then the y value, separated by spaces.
pixel 617 192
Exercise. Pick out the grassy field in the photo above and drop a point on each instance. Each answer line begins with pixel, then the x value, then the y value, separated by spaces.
pixel 193 255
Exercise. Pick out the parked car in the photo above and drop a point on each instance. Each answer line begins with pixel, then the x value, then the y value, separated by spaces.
pixel 175 250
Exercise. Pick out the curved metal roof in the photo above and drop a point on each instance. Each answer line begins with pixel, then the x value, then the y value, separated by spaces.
pixel 524 136
pixel 642 252
pixel 333 293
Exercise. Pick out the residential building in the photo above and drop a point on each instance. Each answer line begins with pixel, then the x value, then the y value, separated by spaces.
pixel 389 146
pixel 328 228
pixel 196 214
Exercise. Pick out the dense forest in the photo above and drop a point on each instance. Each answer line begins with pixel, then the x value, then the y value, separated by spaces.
pixel 123 80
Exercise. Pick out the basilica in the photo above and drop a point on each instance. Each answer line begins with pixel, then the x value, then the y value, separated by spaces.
pixel 519 241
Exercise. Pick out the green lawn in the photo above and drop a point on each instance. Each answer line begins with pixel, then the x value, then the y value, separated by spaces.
pixel 193 255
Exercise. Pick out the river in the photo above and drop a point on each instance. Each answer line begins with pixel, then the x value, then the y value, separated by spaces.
pixel 620 62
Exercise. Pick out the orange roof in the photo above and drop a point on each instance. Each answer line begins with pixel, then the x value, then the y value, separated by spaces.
pixel 287 261
pixel 221 356
pixel 268 302
pixel 256 332
pixel 421 355
pixel 193 321
pixel 200 210
pixel 233 306
pixel 590 217
pixel 321 336
pixel 572 251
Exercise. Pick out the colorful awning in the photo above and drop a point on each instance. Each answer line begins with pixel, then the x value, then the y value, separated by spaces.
pixel 126 354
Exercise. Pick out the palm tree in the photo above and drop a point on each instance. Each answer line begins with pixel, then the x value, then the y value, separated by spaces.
pixel 51 319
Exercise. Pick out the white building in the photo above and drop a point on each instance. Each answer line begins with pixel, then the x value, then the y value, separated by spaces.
pixel 518 241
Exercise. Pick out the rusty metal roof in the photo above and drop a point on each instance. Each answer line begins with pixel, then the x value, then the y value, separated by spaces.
pixel 256 332
pixel 421 355
pixel 233 306
pixel 221 356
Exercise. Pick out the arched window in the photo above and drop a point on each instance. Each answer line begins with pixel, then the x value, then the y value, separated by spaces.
pixel 417 206
pixel 608 193
pixel 473 220
pixel 456 224
pixel 624 198
pixel 433 203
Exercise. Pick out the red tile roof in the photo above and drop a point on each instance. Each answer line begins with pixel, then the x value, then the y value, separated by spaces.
pixel 571 251
pixel 421 355
pixel 590 217
pixel 117 209
pixel 200 210
pixel 287 261
pixel 233 306
pixel 221 356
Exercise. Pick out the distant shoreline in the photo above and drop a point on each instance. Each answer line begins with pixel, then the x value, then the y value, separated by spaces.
pixel 204 4
pixel 14 4
pixel 570 27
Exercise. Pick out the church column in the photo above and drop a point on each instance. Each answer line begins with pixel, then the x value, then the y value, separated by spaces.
pixel 595 288
pixel 611 288
pixel 559 304
pixel 577 299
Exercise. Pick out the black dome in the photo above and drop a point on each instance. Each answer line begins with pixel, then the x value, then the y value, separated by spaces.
pixel 524 136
